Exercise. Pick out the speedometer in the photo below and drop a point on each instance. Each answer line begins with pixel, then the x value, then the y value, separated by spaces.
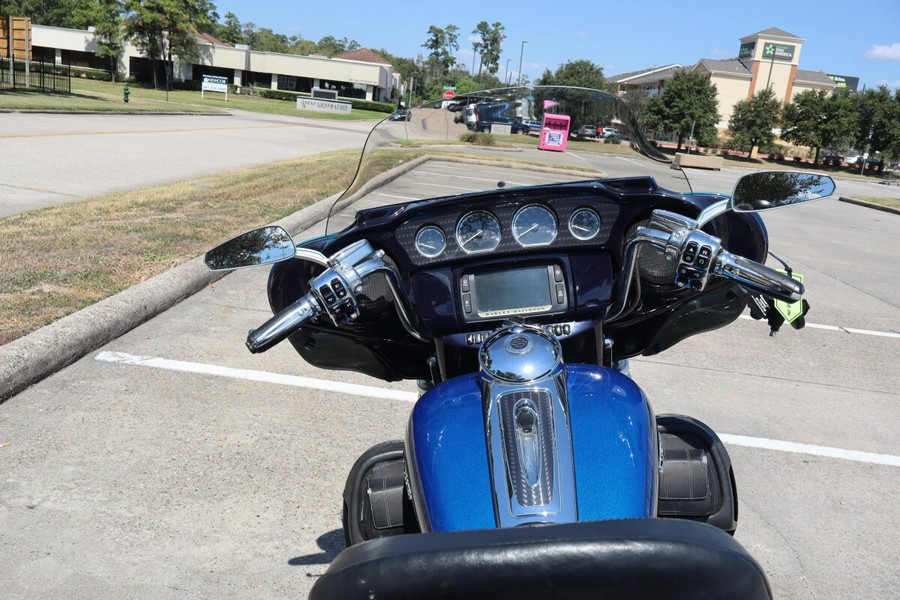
pixel 478 231
pixel 534 225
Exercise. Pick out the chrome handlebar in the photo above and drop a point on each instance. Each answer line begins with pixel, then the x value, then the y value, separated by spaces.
pixel 333 292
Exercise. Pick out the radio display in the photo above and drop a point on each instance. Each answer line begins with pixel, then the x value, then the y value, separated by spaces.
pixel 513 291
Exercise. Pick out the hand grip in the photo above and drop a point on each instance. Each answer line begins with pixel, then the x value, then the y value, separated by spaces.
pixel 279 327
pixel 759 278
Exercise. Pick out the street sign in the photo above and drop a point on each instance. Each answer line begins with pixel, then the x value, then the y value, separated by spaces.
pixel 449 94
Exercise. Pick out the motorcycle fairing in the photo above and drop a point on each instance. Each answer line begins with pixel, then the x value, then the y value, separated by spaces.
pixel 614 444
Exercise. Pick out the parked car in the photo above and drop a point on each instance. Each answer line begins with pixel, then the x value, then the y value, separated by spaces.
pixel 586 131
pixel 401 114
pixel 852 159
pixel 610 131
pixel 534 126
pixel 832 158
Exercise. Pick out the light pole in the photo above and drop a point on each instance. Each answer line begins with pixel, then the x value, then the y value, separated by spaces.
pixel 521 52
pixel 507 70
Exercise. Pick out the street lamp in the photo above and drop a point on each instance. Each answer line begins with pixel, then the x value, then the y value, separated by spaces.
pixel 507 70
pixel 521 52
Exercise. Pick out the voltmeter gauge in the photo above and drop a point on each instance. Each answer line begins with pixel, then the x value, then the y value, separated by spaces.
pixel 584 223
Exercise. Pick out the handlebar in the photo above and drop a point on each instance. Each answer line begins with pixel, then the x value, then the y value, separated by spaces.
pixel 286 322
pixel 757 277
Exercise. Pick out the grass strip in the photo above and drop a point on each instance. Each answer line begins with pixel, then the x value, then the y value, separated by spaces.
pixel 893 202
pixel 60 259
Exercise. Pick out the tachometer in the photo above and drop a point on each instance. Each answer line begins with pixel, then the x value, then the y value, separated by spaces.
pixel 478 231
pixel 534 225
pixel 430 241
pixel 584 223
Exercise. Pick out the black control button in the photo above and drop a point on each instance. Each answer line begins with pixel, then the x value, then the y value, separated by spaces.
pixel 692 247
pixel 567 329
pixel 687 258
pixel 467 303
pixel 705 251
pixel 684 271
pixel 338 287
pixel 479 337
pixel 702 261
pixel 560 293
pixel 557 330
pixel 557 274
pixel 470 338
pixel 465 283
pixel 327 294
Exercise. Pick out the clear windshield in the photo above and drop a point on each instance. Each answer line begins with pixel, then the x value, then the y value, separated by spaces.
pixel 502 138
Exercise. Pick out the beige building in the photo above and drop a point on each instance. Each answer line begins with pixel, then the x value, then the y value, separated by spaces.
pixel 358 74
pixel 769 58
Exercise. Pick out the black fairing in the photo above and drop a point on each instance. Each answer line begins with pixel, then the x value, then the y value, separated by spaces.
pixel 378 345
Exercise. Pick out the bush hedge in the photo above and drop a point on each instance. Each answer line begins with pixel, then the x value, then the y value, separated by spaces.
pixel 385 107
pixel 478 138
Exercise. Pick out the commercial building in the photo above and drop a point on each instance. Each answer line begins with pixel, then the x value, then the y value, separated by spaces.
pixel 768 58
pixel 357 74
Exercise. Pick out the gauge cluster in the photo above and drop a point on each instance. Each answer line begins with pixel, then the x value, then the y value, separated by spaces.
pixel 509 227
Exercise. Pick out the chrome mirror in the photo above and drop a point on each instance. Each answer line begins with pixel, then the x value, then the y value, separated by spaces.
pixel 774 189
pixel 258 247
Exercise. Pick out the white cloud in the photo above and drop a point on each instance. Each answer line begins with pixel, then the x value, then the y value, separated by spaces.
pixel 891 52
pixel 583 34
pixel 719 53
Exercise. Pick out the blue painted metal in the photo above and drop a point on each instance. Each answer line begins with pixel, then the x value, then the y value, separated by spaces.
pixel 451 457
pixel 614 441
pixel 614 438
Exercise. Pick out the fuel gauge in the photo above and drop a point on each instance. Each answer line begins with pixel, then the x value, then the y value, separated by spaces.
pixel 430 241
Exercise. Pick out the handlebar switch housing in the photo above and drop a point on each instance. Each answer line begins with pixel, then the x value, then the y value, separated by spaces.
pixel 696 257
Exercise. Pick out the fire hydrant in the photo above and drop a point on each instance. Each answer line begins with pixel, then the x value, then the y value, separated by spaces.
pixel 125 93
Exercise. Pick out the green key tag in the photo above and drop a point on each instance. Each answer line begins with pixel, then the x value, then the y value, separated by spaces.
pixel 791 311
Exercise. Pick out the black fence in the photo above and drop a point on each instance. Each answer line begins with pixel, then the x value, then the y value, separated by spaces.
pixel 39 76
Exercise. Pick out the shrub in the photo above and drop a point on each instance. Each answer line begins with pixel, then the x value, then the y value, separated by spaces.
pixel 612 140
pixel 477 138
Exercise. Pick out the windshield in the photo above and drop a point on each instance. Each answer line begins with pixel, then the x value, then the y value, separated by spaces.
pixel 501 138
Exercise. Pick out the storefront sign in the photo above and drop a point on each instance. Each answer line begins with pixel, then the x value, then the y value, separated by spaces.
pixel 214 83
pixel 845 81
pixel 778 51
pixel 747 50
pixel 332 106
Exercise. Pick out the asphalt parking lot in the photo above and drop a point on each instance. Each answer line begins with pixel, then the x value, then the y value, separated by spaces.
pixel 173 464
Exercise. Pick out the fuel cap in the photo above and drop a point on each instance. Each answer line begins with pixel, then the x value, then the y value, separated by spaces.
pixel 519 353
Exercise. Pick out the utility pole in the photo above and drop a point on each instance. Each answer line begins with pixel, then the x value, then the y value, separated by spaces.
pixel 507 70
pixel 521 52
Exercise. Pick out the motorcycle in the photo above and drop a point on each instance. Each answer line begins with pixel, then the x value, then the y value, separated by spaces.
pixel 532 466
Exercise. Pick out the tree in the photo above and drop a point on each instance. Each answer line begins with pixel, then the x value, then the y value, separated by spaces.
pixel 230 30
pixel 688 102
pixel 878 120
pixel 752 121
pixel 106 17
pixel 819 120
pixel 441 44
pixel 576 73
pixel 489 48
pixel 164 29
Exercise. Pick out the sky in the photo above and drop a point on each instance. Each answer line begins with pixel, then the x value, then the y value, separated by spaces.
pixel 858 39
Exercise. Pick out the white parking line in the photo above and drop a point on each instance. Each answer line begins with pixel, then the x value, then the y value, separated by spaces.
pixel 366 391
pixel 261 376
pixel 887 334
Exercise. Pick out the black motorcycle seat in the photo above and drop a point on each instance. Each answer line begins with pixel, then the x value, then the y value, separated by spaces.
pixel 627 559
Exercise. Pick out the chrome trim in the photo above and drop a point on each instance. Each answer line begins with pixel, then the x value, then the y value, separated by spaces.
pixel 469 214
pixel 532 472
pixel 712 211
pixel 572 219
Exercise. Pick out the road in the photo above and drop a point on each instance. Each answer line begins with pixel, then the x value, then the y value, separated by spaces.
pixel 52 158
pixel 173 464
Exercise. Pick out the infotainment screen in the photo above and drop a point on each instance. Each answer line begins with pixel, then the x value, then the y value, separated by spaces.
pixel 513 291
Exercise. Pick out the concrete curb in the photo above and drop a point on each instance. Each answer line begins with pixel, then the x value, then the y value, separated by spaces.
pixel 867 204
pixel 28 360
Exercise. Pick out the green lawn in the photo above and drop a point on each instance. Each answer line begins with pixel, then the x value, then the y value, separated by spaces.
pixel 90 95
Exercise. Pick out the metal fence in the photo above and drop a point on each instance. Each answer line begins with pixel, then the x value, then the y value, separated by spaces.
pixel 37 76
